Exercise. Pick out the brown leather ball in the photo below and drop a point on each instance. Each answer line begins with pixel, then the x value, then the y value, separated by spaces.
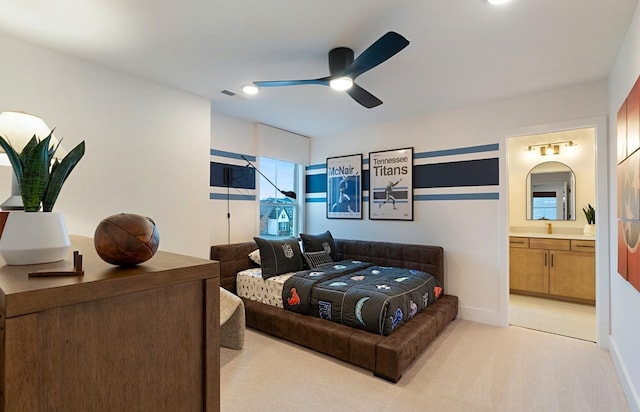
pixel 126 239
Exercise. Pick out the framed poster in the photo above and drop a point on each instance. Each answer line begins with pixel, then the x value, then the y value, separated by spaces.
pixel 344 187
pixel 391 185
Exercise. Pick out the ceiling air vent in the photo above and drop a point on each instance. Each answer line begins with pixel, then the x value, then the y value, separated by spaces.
pixel 233 94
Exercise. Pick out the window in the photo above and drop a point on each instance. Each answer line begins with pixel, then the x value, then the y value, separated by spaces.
pixel 545 205
pixel 280 216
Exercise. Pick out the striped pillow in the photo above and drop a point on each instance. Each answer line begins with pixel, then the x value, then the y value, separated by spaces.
pixel 317 259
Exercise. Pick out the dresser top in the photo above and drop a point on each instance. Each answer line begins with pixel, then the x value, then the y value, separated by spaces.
pixel 20 294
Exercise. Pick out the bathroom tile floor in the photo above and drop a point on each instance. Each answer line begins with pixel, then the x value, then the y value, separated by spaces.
pixel 553 316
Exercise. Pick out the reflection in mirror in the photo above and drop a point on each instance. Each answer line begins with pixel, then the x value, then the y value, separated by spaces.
pixel 551 192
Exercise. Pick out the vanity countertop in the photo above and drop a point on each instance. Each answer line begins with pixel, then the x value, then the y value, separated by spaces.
pixel 575 236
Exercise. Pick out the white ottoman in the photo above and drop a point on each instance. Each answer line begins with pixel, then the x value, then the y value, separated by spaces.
pixel 232 322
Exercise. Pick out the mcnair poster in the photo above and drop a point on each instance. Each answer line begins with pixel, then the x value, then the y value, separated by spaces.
pixel 344 187
pixel 391 184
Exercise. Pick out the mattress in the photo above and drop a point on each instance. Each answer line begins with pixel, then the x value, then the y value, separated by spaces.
pixel 377 299
pixel 251 285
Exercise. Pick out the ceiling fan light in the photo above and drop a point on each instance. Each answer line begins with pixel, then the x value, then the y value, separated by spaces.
pixel 341 83
pixel 250 89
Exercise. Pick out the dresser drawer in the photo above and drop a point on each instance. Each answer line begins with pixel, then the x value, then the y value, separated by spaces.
pixel 522 242
pixel 544 243
pixel 583 246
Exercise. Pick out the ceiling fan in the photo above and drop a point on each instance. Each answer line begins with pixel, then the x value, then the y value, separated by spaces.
pixel 343 69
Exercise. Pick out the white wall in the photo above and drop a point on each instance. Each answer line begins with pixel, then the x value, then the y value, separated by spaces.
pixel 236 136
pixel 625 300
pixel 579 158
pixel 472 232
pixel 242 137
pixel 147 145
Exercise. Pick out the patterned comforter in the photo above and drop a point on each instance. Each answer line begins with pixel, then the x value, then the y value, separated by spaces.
pixel 377 299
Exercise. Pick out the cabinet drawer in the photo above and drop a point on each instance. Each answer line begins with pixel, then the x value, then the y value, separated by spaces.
pixel 555 244
pixel 583 246
pixel 515 241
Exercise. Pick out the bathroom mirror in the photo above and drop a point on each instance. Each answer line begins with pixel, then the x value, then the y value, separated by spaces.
pixel 551 192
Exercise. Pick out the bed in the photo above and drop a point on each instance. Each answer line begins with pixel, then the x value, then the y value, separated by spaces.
pixel 386 356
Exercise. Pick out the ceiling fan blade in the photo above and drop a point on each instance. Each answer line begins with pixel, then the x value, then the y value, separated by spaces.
pixel 383 49
pixel 324 81
pixel 363 97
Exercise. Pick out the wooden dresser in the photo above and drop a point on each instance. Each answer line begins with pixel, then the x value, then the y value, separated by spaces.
pixel 554 268
pixel 135 339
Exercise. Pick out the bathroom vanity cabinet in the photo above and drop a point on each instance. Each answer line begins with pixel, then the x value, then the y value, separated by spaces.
pixel 561 269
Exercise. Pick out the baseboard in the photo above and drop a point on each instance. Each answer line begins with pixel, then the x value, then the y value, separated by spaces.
pixel 489 317
pixel 632 396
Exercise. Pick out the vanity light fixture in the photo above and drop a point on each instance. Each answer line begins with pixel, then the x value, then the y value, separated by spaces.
pixel 550 148
pixel 497 2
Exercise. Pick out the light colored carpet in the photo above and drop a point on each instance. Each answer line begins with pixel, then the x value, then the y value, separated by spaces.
pixel 470 367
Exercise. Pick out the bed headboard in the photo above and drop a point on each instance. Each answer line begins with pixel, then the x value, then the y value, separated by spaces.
pixel 234 257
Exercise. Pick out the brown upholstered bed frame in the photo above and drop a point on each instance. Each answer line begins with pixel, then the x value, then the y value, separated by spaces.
pixel 386 356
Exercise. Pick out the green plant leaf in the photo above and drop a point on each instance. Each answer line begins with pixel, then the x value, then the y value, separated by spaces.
pixel 35 177
pixel 59 173
pixel 40 181
pixel 590 214
pixel 31 144
pixel 52 149
pixel 14 159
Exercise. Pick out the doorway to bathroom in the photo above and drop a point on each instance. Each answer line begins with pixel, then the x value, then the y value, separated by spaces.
pixel 552 244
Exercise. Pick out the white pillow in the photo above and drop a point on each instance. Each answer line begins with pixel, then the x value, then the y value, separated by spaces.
pixel 255 257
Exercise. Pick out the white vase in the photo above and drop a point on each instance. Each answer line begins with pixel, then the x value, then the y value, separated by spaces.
pixel 589 230
pixel 30 238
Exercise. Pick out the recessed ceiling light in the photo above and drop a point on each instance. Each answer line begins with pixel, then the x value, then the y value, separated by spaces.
pixel 250 89
pixel 498 1
pixel 341 83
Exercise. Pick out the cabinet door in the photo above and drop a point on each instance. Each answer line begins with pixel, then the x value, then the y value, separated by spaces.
pixel 573 274
pixel 528 270
pixel 144 351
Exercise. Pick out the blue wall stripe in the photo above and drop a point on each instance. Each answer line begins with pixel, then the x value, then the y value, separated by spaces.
pixel 316 167
pixel 223 175
pixel 458 196
pixel 230 155
pixel 431 197
pixel 459 151
pixel 481 172
pixel 316 183
pixel 316 200
pixel 220 196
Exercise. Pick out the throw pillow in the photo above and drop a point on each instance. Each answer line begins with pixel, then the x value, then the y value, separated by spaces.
pixel 319 243
pixel 255 256
pixel 317 259
pixel 279 256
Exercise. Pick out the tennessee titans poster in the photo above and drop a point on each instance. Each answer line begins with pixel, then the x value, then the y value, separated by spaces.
pixel 344 187
pixel 391 184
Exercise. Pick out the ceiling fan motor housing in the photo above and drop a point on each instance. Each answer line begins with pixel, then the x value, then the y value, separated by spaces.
pixel 340 59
